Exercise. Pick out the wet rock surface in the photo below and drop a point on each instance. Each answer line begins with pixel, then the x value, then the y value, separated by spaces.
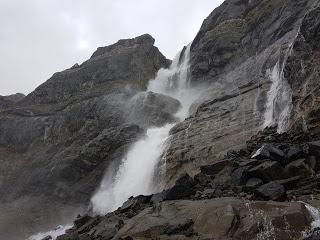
pixel 212 206
pixel 224 178
pixel 56 143
pixel 235 53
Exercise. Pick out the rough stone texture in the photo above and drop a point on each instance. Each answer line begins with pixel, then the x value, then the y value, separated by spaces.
pixel 153 109
pixel 236 48
pixel 8 101
pixel 56 143
pixel 225 218
pixel 302 72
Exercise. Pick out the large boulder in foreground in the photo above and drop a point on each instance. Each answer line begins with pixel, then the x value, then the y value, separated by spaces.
pixel 222 218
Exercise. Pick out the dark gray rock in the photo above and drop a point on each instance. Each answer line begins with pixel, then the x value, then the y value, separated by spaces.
pixel 57 142
pixel 215 168
pixel 238 44
pixel 268 151
pixel 152 109
pixel 314 148
pixel 11 100
pixel 253 183
pixel 202 179
pixel 313 162
pixel 267 171
pixel 183 189
pixel 239 176
pixel 290 183
pixel 298 168
pixel 271 191
pixel 81 220
pixel 295 152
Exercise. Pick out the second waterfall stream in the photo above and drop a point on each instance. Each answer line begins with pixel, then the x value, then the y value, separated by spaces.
pixel 135 174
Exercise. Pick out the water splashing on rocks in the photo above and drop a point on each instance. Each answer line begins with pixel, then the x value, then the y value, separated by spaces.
pixel 136 171
pixel 52 234
pixel 315 224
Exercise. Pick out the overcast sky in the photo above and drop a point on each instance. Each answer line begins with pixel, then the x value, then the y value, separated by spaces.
pixel 41 37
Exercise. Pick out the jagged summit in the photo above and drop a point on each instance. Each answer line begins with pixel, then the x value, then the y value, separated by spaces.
pixel 145 39
pixel 129 62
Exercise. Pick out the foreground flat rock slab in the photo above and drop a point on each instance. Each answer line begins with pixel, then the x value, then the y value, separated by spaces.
pixel 225 218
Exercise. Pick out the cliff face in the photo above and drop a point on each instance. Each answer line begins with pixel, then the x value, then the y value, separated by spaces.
pixel 242 49
pixel 56 143
pixel 259 63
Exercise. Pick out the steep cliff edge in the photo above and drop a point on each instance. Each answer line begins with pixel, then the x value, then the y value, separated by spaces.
pixel 249 53
pixel 260 61
pixel 56 143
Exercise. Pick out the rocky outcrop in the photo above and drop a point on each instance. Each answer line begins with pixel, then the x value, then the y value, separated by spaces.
pixel 244 50
pixel 8 101
pixel 230 218
pixel 153 109
pixel 235 198
pixel 56 143
pixel 258 62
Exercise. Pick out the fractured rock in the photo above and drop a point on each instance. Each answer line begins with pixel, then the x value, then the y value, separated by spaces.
pixel 271 191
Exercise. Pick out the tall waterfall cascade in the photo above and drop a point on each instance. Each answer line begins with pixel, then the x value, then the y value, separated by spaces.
pixel 279 98
pixel 135 174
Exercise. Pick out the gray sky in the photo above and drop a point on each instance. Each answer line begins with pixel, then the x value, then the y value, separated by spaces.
pixel 40 37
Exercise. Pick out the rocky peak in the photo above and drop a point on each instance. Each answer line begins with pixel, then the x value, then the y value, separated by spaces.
pixel 127 64
pixel 8 101
pixel 145 40
pixel 240 29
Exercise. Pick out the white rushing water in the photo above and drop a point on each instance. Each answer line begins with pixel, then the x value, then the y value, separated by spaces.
pixel 59 230
pixel 279 100
pixel 315 214
pixel 135 174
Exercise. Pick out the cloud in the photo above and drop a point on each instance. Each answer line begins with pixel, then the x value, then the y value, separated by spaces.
pixel 38 37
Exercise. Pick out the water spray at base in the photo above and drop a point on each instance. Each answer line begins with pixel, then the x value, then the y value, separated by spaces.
pixel 136 172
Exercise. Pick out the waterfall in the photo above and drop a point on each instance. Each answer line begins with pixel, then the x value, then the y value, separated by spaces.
pixel 53 233
pixel 135 174
pixel 315 214
pixel 279 99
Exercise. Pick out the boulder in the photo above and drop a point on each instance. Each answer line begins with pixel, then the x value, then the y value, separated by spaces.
pixel 239 176
pixel 184 228
pixel 271 191
pixel 224 218
pixel 215 168
pixel 314 148
pixel 298 168
pixel 289 183
pixel 313 162
pixel 253 183
pixel 268 151
pixel 183 189
pixel 134 205
pixel 202 179
pixel 295 152
pixel 267 171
